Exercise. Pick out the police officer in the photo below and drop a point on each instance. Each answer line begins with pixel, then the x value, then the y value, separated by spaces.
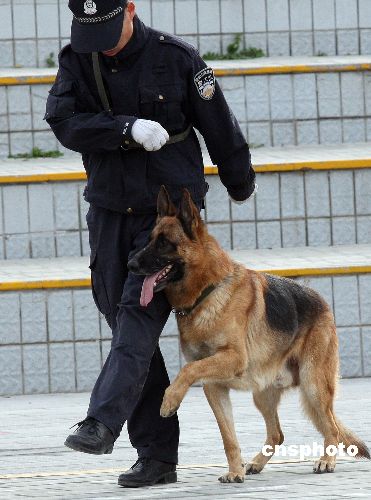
pixel 131 115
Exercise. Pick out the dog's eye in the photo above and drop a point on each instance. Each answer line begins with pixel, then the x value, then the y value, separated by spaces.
pixel 164 244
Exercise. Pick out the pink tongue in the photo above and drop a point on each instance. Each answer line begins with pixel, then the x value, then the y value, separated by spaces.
pixel 147 289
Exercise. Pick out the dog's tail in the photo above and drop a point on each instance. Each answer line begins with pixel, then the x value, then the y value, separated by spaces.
pixel 349 439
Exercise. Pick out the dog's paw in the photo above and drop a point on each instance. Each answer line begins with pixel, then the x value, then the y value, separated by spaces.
pixel 324 465
pixel 170 405
pixel 232 477
pixel 252 468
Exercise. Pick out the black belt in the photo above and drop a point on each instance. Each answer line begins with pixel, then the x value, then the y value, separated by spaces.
pixel 173 138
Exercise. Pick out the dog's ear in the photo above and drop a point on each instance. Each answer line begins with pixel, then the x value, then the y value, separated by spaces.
pixel 164 205
pixel 189 215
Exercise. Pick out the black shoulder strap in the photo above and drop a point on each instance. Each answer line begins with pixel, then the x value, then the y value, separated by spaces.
pixel 99 82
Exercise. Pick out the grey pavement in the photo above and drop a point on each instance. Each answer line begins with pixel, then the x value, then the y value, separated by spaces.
pixel 35 464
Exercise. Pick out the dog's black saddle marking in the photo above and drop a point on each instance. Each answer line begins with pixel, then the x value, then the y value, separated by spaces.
pixel 289 305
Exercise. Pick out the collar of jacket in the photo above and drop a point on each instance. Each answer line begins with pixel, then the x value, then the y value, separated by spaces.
pixel 134 46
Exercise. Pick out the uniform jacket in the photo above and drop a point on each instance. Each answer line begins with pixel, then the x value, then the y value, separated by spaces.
pixel 158 77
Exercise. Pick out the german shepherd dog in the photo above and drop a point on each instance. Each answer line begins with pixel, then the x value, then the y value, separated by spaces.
pixel 242 329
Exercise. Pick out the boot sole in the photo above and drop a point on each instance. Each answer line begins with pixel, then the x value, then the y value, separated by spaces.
pixel 169 477
pixel 79 447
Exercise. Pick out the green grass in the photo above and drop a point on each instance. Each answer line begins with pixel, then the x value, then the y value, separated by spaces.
pixel 235 52
pixel 50 60
pixel 38 153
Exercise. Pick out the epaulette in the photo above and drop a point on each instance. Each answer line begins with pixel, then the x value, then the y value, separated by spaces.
pixel 165 38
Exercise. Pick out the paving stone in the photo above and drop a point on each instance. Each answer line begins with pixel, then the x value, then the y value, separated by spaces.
pixel 346 13
pixel 33 316
pixel 293 233
pixel 60 316
pixel 281 96
pixel 17 246
pixel 86 319
pixel 65 199
pixel 366 344
pixel 222 232
pixel 328 95
pixel 350 351
pixel 218 210
pixel 268 197
pixel 347 42
pixel 35 368
pixel 342 197
pixel 301 43
pixel 9 318
pixel 43 245
pixel 40 198
pixel 317 194
pixel 319 232
pixel 278 44
pixel 10 370
pixel 244 235
pixel 283 134
pixel 15 209
pixel 88 361
pixel 305 100
pixel 346 305
pixel 292 195
pixel 89 476
pixel 269 234
pixel 301 15
pixel 343 230
pixel 257 98
pixel 62 367
pixel 365 298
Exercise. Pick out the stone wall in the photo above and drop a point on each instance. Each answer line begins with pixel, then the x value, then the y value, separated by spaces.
pixel 31 29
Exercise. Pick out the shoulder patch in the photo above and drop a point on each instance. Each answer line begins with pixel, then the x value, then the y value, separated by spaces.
pixel 205 83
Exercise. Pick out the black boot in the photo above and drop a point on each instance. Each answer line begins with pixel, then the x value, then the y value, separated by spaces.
pixel 148 471
pixel 91 436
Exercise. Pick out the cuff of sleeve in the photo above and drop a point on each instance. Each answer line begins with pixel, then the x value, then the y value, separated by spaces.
pixel 125 124
pixel 243 191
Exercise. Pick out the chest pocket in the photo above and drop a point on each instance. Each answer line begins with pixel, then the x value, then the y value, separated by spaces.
pixel 61 102
pixel 163 103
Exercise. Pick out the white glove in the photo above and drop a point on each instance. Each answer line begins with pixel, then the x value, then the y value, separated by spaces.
pixel 240 202
pixel 151 135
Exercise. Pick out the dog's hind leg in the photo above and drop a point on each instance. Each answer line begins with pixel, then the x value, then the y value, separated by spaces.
pixel 318 379
pixel 219 400
pixel 267 402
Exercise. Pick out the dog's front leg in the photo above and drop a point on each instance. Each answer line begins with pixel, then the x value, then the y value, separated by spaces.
pixel 219 400
pixel 225 364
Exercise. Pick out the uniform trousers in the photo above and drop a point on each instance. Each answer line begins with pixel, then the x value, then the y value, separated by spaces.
pixel 133 379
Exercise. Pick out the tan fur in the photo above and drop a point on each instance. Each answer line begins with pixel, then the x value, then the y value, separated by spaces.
pixel 229 344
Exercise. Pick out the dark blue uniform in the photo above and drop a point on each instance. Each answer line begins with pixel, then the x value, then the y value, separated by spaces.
pixel 157 77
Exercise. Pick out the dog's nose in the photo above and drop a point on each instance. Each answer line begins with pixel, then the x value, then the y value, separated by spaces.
pixel 133 265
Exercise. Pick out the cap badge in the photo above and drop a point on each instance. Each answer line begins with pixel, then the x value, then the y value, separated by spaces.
pixel 90 7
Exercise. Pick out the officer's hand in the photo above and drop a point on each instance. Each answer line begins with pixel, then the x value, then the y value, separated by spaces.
pixel 151 135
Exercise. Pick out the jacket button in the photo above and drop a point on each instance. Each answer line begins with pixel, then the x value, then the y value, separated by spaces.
pixel 162 37
pixel 161 97
pixel 129 210
pixel 114 70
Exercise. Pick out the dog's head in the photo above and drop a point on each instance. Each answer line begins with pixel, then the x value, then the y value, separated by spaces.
pixel 163 261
